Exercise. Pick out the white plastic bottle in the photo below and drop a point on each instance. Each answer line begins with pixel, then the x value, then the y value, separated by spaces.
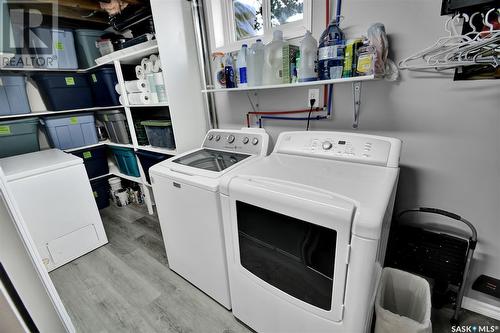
pixel 241 63
pixel 255 63
pixel 308 58
pixel 218 76
pixel 273 59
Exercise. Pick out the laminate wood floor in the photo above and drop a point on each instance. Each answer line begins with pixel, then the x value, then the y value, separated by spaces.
pixel 126 285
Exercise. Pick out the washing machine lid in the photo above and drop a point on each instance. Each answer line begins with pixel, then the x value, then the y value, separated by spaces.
pixel 26 165
pixel 368 187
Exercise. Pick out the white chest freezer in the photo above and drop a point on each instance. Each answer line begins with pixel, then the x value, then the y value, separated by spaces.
pixel 55 199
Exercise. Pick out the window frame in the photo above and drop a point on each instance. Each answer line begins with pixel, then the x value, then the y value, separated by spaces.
pixel 222 27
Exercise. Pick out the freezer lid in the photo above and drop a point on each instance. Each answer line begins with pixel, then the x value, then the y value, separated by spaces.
pixel 26 165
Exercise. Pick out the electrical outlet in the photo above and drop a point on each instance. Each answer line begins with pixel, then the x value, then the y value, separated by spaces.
pixel 313 94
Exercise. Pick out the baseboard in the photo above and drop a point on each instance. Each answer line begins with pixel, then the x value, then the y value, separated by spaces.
pixel 483 308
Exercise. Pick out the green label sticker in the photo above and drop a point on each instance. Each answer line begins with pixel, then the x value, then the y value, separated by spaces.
pixel 87 154
pixel 5 130
pixel 95 194
pixel 73 120
pixel 59 46
pixel 106 117
pixel 70 81
pixel 94 78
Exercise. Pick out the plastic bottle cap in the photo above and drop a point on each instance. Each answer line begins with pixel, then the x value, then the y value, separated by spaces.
pixel 259 40
pixel 244 45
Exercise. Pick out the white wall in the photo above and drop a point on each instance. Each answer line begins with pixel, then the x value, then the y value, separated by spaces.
pixel 450 130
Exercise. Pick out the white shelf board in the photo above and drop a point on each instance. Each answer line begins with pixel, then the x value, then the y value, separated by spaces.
pixel 101 143
pixel 35 69
pixel 147 105
pixel 159 150
pixel 55 113
pixel 294 85
pixel 113 170
pixel 84 147
pixel 130 55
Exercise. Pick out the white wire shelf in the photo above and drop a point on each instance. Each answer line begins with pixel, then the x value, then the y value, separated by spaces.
pixel 55 113
pixel 294 85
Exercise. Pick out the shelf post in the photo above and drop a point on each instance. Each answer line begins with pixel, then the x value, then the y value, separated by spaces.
pixel 356 96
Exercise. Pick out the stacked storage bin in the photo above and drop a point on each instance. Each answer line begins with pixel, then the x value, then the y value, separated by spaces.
pixel 65 91
pixel 66 132
pixel 103 81
pixel 86 46
pixel 116 125
pixel 63 55
pixel 160 133
pixel 18 137
pixel 100 188
pixel 126 161
pixel 13 97
pixel 95 160
pixel 140 132
pixel 148 159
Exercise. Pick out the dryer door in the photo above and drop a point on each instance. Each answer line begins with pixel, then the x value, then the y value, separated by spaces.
pixel 292 240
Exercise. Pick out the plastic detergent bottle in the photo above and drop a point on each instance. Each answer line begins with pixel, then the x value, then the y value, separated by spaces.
pixel 219 76
pixel 241 63
pixel 229 71
pixel 331 52
pixel 255 63
pixel 273 59
pixel 308 58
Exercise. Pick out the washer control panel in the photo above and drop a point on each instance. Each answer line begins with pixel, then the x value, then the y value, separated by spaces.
pixel 247 141
pixel 353 147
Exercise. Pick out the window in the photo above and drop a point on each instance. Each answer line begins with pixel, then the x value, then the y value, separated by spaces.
pixel 234 22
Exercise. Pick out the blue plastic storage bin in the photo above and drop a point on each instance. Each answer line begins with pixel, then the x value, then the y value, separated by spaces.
pixel 66 132
pixel 148 159
pixel 61 53
pixel 86 49
pixel 95 160
pixel 13 97
pixel 18 137
pixel 103 81
pixel 160 133
pixel 65 91
pixel 126 161
pixel 100 188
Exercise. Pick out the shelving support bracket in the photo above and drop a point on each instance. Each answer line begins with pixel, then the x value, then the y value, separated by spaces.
pixel 356 96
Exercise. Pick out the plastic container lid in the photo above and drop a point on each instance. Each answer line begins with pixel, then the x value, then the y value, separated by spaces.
pixel 158 123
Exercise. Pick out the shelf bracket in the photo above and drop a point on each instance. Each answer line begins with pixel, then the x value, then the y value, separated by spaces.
pixel 356 96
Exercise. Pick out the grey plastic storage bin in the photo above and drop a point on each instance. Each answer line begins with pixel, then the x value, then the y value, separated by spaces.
pixel 160 133
pixel 18 137
pixel 62 54
pixel 13 97
pixel 86 48
pixel 66 132
pixel 116 125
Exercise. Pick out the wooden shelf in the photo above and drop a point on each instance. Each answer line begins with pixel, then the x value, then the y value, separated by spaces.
pixel 55 113
pixel 294 85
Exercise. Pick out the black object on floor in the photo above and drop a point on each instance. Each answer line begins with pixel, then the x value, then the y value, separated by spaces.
pixel 488 285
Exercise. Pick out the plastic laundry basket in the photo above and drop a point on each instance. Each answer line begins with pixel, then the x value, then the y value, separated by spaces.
pixel 403 303
pixel 18 137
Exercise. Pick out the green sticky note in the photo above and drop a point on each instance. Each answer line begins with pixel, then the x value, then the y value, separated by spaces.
pixel 106 117
pixel 95 194
pixel 73 120
pixel 5 130
pixel 59 46
pixel 87 154
pixel 94 78
pixel 70 81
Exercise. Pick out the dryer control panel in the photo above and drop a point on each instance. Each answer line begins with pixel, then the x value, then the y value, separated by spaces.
pixel 352 147
pixel 253 141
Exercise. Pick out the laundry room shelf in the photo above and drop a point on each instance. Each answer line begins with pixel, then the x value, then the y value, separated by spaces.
pixel 148 105
pixel 159 150
pixel 295 85
pixel 106 142
pixel 113 170
pixel 34 69
pixel 131 55
pixel 55 113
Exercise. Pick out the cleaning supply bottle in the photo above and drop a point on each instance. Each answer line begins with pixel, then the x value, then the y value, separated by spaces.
pixel 241 63
pixel 308 58
pixel 219 76
pixel 273 59
pixel 255 63
pixel 229 71
pixel 331 52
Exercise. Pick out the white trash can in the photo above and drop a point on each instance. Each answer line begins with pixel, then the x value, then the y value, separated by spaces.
pixel 403 303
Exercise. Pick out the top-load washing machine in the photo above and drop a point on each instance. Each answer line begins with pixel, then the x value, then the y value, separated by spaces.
pixel 186 191
pixel 306 231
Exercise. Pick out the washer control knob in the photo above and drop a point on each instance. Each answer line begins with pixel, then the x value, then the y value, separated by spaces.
pixel 255 141
pixel 245 140
pixel 230 138
pixel 210 137
pixel 217 137
pixel 327 145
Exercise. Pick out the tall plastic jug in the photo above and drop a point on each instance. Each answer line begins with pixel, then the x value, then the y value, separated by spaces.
pixel 331 52
pixel 273 59
pixel 229 71
pixel 308 58
pixel 255 63
pixel 241 63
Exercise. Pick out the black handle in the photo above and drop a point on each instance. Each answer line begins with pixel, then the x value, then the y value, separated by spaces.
pixel 440 212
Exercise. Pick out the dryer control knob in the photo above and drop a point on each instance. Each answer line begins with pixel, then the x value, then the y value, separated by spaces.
pixel 210 137
pixel 217 137
pixel 255 141
pixel 230 138
pixel 245 140
pixel 327 145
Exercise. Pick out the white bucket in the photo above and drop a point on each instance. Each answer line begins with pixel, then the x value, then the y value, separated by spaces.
pixel 122 198
pixel 115 183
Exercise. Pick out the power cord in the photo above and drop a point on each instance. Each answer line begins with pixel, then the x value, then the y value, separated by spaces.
pixel 311 103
